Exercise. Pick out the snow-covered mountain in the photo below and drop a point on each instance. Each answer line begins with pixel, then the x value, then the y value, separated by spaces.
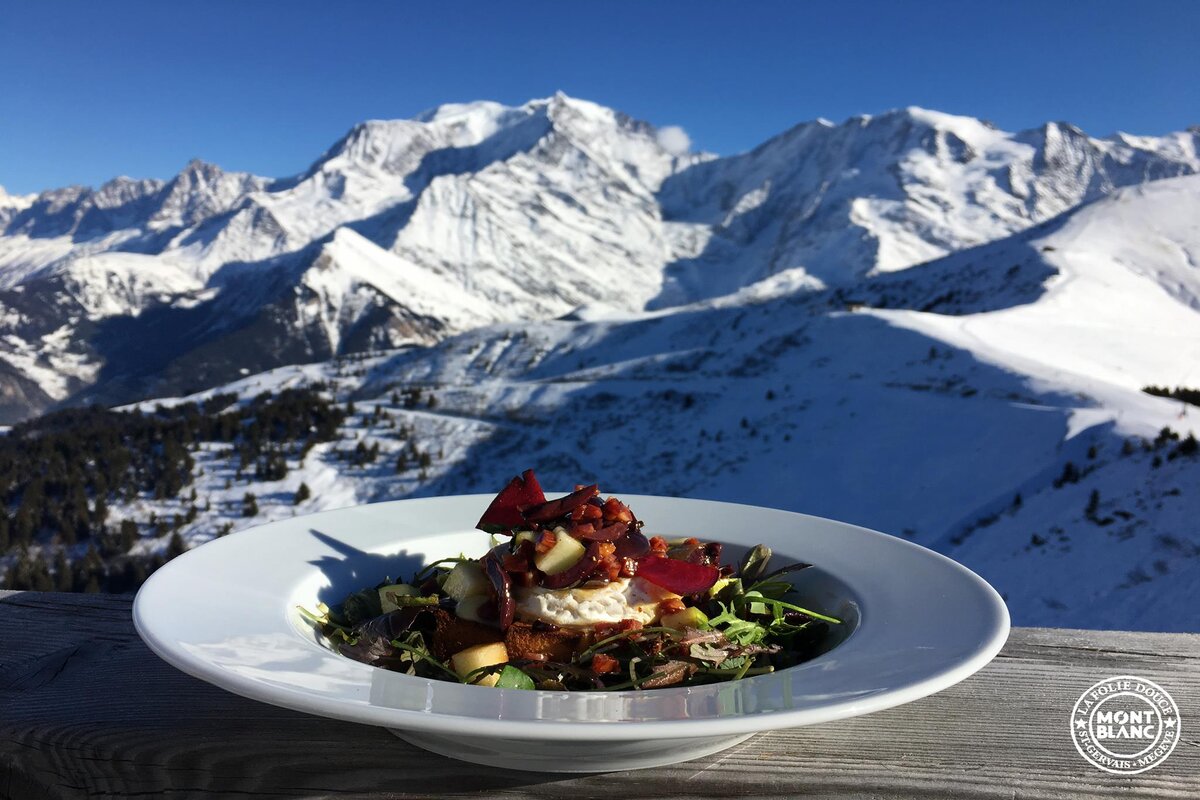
pixel 976 403
pixel 881 193
pixel 403 232
pixel 409 231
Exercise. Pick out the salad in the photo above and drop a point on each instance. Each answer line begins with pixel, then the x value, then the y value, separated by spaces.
pixel 573 595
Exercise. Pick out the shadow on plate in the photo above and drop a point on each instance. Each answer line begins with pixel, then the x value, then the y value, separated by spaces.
pixel 357 569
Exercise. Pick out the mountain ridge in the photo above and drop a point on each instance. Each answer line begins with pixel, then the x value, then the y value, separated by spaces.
pixel 518 213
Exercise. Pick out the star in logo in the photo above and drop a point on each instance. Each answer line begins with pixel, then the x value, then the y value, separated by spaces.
pixel 1079 723
pixel 1169 723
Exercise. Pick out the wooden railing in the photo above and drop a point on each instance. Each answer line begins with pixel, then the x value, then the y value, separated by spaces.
pixel 87 711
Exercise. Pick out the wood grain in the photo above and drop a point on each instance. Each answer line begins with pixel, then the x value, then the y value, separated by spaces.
pixel 87 711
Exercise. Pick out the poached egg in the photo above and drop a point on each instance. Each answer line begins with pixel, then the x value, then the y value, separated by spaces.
pixel 625 598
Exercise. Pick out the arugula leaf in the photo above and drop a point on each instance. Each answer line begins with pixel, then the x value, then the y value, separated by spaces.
pixel 738 630
pixel 765 601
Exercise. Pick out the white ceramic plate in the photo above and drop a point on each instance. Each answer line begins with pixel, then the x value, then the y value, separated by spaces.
pixel 915 623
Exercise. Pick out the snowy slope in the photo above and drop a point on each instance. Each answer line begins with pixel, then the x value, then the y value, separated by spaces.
pixel 881 193
pixel 409 231
pixel 948 416
pixel 1123 307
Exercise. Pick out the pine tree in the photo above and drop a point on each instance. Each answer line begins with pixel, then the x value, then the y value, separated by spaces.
pixel 90 572
pixel 42 582
pixel 1070 474
pixel 249 505
pixel 135 573
pixel 19 575
pixel 99 512
pixel 129 534
pixel 63 580
pixel 1188 447
pixel 302 494
pixel 176 546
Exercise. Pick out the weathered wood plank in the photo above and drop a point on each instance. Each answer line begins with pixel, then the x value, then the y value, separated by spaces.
pixel 87 711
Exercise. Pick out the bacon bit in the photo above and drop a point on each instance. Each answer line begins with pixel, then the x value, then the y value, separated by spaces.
pixel 609 566
pixel 628 567
pixel 604 664
pixel 582 530
pixel 608 569
pixel 658 546
pixel 546 541
pixel 604 630
pixel 691 541
pixel 587 513
pixel 670 605
pixel 616 511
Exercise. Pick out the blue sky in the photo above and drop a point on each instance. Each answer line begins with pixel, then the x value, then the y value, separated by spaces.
pixel 92 90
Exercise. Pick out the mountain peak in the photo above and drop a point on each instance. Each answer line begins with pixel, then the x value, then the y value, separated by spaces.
pixel 198 166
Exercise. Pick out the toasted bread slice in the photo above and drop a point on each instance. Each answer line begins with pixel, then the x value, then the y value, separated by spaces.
pixel 559 644
pixel 451 634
